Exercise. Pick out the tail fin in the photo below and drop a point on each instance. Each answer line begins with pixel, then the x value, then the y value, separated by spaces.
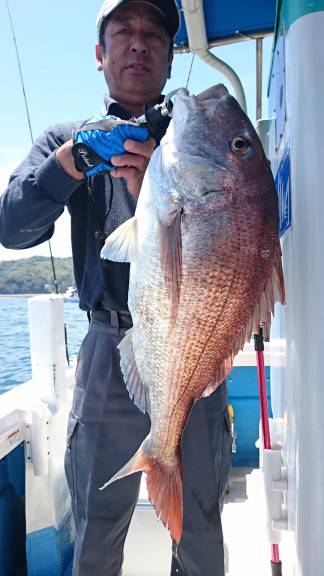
pixel 164 487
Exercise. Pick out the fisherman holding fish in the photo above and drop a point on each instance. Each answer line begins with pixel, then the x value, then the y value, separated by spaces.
pixel 105 428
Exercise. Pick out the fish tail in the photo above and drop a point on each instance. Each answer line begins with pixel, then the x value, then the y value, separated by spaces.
pixel 164 487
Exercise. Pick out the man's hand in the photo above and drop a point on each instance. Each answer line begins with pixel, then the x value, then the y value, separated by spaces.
pixel 66 161
pixel 133 163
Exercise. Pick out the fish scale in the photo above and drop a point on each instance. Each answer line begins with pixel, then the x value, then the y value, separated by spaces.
pixel 205 272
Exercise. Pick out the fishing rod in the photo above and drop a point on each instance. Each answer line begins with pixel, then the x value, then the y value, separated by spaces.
pixel 32 141
pixel 28 120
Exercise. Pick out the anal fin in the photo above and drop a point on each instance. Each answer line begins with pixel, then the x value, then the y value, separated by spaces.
pixel 136 389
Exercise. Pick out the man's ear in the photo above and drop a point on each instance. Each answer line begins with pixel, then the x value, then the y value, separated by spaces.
pixel 99 56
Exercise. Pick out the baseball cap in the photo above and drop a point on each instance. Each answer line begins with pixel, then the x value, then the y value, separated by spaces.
pixel 167 8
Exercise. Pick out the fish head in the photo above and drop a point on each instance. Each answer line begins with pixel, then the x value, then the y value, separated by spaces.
pixel 212 155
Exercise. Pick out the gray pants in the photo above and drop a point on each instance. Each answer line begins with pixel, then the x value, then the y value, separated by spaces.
pixel 104 430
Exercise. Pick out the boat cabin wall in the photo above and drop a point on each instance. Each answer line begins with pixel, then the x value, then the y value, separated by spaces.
pixel 296 155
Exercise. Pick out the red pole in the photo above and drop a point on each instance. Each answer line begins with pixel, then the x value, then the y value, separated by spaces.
pixel 259 348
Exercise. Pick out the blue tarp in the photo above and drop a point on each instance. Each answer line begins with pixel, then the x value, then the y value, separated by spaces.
pixel 226 19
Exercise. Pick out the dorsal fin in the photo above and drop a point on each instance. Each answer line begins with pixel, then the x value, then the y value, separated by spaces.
pixel 223 371
pixel 274 291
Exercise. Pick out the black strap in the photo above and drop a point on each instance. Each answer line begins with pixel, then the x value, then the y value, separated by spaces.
pixel 115 318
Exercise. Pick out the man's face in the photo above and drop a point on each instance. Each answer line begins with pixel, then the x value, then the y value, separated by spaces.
pixel 136 58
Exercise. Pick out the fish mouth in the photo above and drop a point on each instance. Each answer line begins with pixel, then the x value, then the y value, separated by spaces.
pixel 216 92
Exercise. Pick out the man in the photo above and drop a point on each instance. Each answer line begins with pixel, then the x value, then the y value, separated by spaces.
pixel 135 53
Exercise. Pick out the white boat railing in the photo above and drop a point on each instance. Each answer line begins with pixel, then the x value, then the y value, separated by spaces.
pixel 36 413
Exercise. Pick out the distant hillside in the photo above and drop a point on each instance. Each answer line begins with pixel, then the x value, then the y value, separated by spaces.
pixel 35 275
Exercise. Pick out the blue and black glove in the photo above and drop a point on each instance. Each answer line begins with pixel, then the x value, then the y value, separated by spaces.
pixel 103 137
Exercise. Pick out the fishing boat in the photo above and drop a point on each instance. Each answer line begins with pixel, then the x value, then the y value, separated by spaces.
pixel 275 496
pixel 71 294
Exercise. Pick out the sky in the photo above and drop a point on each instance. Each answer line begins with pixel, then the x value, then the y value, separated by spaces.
pixel 56 44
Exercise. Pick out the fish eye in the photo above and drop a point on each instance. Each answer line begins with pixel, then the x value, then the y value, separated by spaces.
pixel 239 145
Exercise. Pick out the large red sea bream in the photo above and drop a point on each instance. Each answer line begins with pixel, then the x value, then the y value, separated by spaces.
pixel 205 272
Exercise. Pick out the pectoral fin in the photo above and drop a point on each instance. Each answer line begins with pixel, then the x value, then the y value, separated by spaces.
pixel 120 245
pixel 171 258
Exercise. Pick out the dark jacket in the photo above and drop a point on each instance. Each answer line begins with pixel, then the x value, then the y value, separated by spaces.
pixel 37 193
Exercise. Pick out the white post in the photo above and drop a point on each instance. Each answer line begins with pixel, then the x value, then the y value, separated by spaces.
pixel 39 440
pixel 47 348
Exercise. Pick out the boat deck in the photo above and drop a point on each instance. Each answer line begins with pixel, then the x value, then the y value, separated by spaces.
pixel 147 549
pixel 244 526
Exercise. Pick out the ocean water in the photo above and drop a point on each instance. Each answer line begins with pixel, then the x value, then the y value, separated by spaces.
pixel 15 365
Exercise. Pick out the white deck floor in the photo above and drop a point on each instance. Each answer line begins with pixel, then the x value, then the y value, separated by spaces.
pixel 147 549
pixel 244 526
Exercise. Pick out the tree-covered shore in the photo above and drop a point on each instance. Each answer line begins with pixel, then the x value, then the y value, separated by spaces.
pixel 35 275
